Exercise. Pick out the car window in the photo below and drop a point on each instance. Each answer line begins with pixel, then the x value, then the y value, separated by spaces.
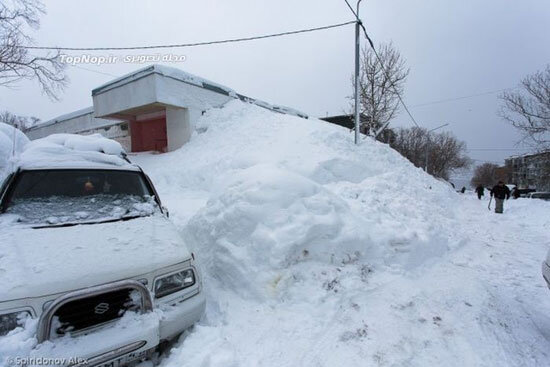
pixel 74 196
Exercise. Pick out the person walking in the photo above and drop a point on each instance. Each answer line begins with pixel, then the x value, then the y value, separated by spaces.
pixel 480 191
pixel 501 192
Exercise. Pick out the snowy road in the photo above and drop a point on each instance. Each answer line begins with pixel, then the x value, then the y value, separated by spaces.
pixel 507 259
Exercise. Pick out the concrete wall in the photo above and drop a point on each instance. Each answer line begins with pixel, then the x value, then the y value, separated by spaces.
pixel 176 93
pixel 178 127
pixel 121 97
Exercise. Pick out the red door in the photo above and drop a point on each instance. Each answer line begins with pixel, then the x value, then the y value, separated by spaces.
pixel 149 135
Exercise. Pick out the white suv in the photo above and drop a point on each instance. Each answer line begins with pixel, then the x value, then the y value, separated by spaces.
pixel 85 245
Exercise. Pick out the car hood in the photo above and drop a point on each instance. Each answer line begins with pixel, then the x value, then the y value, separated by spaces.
pixel 45 261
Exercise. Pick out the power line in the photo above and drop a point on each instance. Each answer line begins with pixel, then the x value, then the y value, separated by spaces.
pixel 461 97
pixel 232 40
pixel 388 75
pixel 95 71
pixel 353 11
pixel 498 149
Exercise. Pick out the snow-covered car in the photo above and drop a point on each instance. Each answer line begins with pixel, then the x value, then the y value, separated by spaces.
pixel 85 243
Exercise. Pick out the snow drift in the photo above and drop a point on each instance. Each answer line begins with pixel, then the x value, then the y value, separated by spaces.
pixel 290 221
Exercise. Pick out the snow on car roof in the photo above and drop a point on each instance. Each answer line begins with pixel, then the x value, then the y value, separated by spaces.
pixel 74 151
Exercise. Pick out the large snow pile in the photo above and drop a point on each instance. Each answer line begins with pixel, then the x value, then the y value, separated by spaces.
pixel 12 143
pixel 297 229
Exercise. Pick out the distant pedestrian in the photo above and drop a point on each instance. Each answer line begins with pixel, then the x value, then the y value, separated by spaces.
pixel 463 190
pixel 501 192
pixel 515 193
pixel 480 191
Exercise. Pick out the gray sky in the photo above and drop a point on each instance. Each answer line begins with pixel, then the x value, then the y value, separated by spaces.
pixel 454 49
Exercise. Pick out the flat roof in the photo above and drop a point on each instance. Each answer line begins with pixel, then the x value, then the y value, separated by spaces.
pixel 67 116
pixel 168 72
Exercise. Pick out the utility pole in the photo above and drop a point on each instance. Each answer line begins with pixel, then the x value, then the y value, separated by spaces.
pixel 428 145
pixel 357 50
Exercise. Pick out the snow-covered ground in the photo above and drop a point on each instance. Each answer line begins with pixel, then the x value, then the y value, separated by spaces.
pixel 318 253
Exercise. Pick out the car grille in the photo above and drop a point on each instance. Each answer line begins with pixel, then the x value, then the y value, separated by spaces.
pixel 95 310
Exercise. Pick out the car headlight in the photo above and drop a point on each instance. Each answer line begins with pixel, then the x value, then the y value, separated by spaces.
pixel 174 282
pixel 10 321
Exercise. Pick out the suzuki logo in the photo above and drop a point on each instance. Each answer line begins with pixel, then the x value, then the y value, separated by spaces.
pixel 101 308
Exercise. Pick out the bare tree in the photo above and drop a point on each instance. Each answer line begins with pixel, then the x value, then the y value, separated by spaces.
pixel 485 175
pixel 21 122
pixel 529 109
pixel 17 19
pixel 445 152
pixel 380 82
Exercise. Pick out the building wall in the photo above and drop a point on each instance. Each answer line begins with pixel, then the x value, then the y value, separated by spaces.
pixel 121 97
pixel 531 171
pixel 72 125
pixel 178 127
pixel 175 93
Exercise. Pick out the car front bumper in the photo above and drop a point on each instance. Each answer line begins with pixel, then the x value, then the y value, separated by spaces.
pixel 132 338
pixel 181 316
pixel 546 273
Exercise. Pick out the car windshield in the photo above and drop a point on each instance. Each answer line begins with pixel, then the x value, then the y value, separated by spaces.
pixel 59 197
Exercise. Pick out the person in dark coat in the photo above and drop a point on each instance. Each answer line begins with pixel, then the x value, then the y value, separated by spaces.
pixel 501 192
pixel 480 191
pixel 515 193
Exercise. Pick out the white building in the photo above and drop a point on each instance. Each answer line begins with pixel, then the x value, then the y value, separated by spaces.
pixel 153 108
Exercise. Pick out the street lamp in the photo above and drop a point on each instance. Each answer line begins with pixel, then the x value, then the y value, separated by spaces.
pixel 428 145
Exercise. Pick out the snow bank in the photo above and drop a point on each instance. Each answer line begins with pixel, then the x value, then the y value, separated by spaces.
pixel 72 150
pixel 293 224
pixel 12 141
pixel 265 219
pixel 243 160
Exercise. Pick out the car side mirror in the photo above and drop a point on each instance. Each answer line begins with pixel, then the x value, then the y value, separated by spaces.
pixel 165 211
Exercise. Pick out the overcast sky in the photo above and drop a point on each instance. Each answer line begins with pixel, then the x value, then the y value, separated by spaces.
pixel 453 48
